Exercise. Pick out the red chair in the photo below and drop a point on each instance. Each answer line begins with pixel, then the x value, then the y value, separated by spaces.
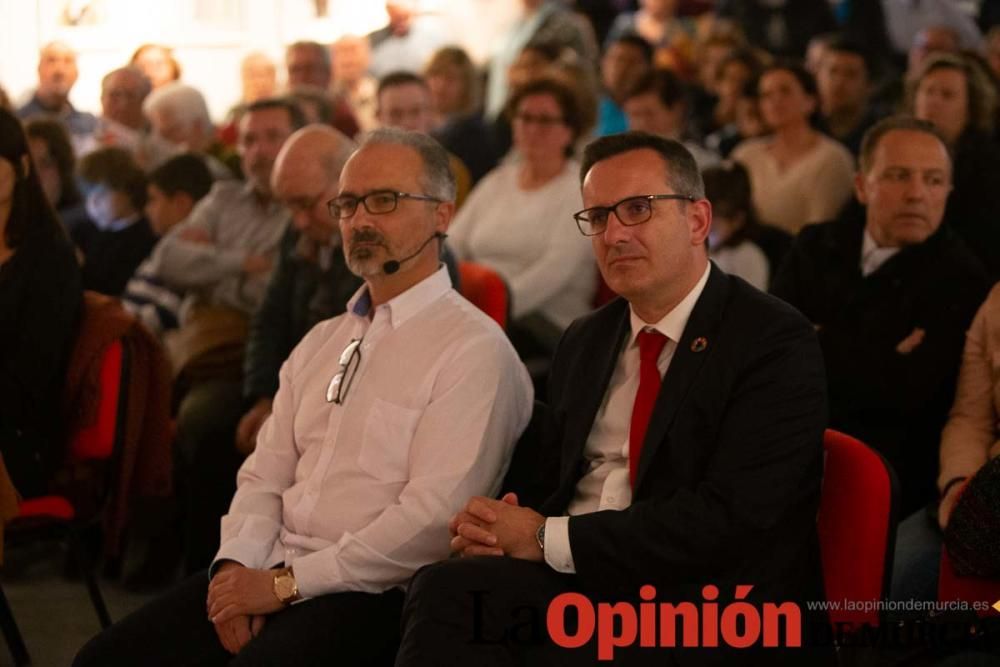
pixel 486 289
pixel 56 517
pixel 857 529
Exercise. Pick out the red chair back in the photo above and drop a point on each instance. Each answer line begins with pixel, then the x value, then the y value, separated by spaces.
pixel 486 289
pixel 97 441
pixel 857 528
pixel 973 590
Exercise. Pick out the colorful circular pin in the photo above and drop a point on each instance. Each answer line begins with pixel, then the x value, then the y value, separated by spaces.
pixel 699 344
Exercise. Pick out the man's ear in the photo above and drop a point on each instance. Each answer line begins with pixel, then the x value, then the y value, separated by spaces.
pixel 860 187
pixel 699 217
pixel 443 215
pixel 25 165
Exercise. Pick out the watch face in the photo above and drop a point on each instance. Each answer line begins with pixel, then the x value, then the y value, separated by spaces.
pixel 284 587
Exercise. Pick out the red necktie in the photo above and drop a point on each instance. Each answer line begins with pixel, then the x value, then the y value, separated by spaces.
pixel 650 346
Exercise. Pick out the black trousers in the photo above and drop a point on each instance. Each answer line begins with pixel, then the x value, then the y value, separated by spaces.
pixel 491 612
pixel 484 612
pixel 337 629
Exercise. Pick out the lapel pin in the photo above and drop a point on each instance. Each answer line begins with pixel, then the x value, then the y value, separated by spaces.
pixel 699 344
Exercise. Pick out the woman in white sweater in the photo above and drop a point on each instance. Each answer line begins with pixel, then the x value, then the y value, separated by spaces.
pixel 799 175
pixel 519 219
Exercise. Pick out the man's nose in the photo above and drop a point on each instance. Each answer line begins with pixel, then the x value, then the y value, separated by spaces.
pixel 615 231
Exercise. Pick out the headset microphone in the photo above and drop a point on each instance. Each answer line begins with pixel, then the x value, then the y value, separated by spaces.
pixel 393 265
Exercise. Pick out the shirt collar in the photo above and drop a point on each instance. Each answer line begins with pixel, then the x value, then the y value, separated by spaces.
pixel 405 305
pixel 872 256
pixel 672 324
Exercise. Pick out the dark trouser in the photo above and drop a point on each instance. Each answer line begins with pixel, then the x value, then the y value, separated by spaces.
pixel 484 612
pixel 490 612
pixel 207 462
pixel 338 629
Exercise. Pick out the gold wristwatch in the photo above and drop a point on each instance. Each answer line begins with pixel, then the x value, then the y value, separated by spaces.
pixel 285 588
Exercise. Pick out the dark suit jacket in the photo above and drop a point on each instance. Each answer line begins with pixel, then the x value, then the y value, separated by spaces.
pixel 729 476
pixel 895 401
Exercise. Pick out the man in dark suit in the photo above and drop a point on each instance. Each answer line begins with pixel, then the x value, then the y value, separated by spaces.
pixel 700 488
pixel 891 292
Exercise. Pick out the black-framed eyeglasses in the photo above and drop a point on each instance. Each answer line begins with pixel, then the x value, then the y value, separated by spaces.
pixel 376 203
pixel 629 211
pixel 350 359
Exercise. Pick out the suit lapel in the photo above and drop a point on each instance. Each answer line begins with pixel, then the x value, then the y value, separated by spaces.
pixel 598 369
pixel 685 365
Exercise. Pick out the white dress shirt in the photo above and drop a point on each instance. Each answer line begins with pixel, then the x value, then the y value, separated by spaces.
pixel 873 256
pixel 606 484
pixel 357 496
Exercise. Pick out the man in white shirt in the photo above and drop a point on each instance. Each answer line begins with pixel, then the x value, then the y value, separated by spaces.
pixel 387 418
pixel 708 483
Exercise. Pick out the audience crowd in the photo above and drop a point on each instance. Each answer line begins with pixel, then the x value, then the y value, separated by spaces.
pixel 851 158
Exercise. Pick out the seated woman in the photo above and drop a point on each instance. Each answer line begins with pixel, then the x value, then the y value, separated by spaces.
pixel 53 156
pixel 458 125
pixel 799 176
pixel 954 94
pixel 519 219
pixel 118 236
pixel 40 301
pixel 969 439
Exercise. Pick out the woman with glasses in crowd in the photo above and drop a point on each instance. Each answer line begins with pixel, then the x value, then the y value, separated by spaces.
pixel 518 219
pixel 40 300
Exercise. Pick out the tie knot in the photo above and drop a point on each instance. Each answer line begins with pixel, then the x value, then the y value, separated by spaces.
pixel 650 345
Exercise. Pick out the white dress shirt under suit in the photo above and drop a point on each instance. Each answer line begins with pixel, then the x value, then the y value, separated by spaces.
pixel 606 484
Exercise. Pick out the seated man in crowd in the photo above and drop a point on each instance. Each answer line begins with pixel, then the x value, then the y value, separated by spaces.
pixel 311 282
pixel 891 293
pixel 844 82
pixel 178 116
pixel 364 458
pixel 308 65
pixel 656 103
pixel 626 60
pixel 712 480
pixel 123 123
pixel 403 100
pixel 57 72
pixel 173 190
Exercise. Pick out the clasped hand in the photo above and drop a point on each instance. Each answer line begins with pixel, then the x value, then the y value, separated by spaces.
pixel 239 598
pixel 488 527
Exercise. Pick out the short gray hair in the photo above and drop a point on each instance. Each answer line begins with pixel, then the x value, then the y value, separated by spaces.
pixel 185 101
pixel 438 179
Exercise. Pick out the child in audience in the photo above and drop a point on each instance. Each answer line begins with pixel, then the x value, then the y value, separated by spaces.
pixel 118 236
pixel 174 188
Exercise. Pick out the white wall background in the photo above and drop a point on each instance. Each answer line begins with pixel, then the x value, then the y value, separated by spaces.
pixel 208 50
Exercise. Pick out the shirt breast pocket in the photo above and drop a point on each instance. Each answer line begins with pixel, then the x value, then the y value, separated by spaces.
pixel 385 447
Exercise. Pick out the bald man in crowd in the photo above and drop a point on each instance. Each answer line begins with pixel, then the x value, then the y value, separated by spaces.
pixel 311 282
pixel 57 73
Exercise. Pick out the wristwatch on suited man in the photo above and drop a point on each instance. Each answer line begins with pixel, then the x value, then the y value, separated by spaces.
pixel 285 588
